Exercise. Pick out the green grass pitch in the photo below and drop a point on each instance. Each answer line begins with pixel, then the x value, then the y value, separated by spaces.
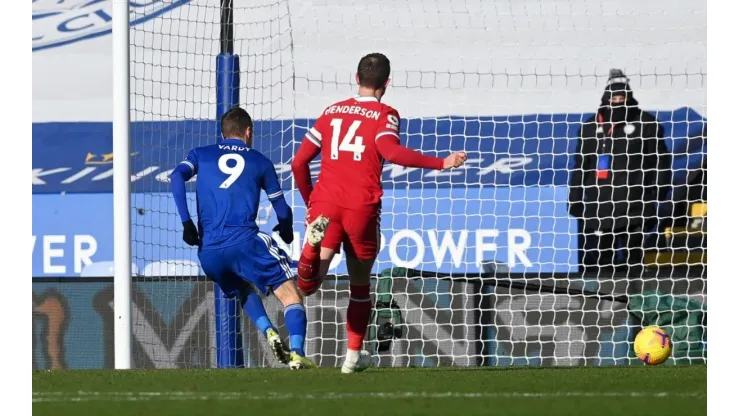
pixel 624 391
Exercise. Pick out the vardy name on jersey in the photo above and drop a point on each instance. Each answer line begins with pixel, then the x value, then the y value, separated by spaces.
pixel 233 148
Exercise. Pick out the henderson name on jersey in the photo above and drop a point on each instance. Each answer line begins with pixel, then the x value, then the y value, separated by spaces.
pixel 354 138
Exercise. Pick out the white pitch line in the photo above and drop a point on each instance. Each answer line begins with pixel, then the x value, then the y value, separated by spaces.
pixel 85 396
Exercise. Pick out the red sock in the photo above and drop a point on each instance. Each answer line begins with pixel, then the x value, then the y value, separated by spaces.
pixel 358 314
pixel 308 268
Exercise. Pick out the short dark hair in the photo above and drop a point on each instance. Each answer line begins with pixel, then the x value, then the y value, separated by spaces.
pixel 235 122
pixel 374 70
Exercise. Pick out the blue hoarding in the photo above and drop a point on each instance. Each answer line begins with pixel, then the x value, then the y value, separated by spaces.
pixel 448 229
pixel 508 205
pixel 532 150
pixel 70 232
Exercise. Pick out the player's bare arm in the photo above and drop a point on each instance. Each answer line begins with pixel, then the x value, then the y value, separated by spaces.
pixel 455 160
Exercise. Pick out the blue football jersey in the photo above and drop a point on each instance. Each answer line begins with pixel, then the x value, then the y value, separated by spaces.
pixel 230 179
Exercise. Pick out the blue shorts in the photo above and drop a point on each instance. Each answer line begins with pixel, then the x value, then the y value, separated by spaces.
pixel 257 262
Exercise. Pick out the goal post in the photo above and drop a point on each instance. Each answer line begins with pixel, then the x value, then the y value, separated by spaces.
pixel 477 266
pixel 121 187
pixel 227 315
pixel 229 349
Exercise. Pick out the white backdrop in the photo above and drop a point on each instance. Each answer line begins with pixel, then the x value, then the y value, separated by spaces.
pixel 472 57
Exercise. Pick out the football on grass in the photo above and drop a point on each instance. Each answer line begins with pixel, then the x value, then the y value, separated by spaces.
pixel 653 345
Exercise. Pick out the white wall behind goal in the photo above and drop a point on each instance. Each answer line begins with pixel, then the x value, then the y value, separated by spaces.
pixel 449 57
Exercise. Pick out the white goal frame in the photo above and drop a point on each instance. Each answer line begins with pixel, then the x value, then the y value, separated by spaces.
pixel 121 187
pixel 124 248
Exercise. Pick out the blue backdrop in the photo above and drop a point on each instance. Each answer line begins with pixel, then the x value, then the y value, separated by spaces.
pixel 509 205
pixel 504 151
pixel 450 229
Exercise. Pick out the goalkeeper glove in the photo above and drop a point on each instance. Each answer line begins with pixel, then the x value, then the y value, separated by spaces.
pixel 190 233
pixel 285 232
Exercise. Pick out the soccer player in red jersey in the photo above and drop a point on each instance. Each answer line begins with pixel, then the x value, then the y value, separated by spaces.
pixel 354 137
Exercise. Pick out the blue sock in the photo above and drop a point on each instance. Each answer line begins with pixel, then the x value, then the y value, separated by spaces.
pixel 252 305
pixel 295 320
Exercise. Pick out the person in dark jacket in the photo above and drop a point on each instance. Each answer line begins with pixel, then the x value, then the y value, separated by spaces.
pixel 622 168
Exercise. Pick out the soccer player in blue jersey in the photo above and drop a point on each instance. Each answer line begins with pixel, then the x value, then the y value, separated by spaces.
pixel 232 250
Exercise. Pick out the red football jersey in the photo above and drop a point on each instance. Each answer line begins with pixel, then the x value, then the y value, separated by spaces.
pixel 351 164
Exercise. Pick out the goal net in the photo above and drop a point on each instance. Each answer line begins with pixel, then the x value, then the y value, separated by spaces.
pixel 482 265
